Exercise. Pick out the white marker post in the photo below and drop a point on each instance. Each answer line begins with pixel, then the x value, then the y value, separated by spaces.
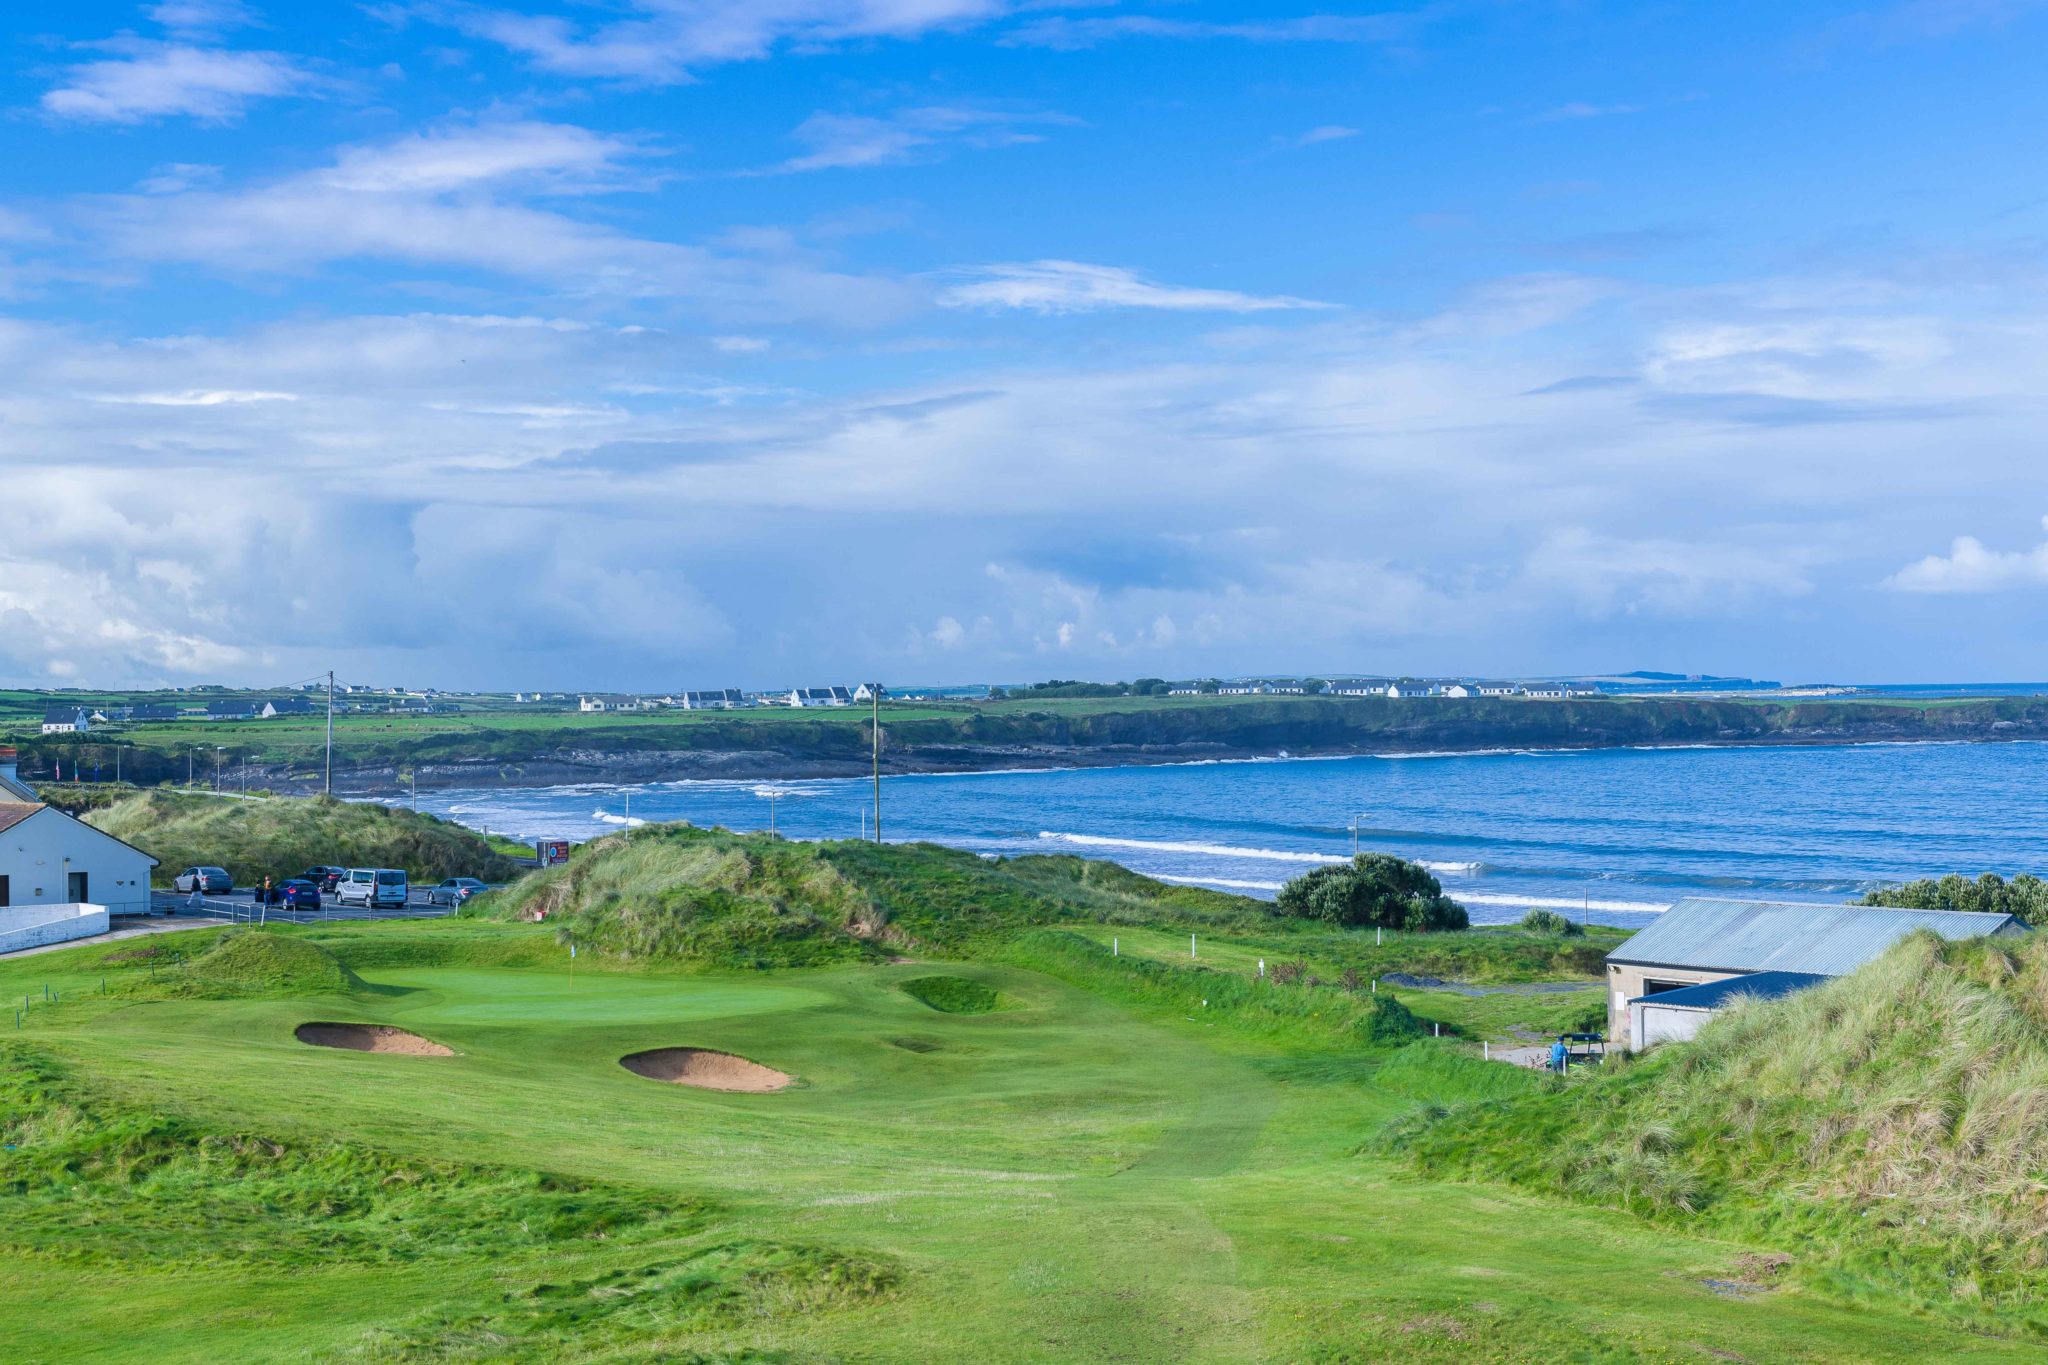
pixel 1191 945
pixel 1262 966
pixel 1114 949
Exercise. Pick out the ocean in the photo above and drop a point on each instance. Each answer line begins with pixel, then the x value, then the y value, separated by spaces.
pixel 1613 835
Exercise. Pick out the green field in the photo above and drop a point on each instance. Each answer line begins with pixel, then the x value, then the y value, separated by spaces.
pixel 491 742
pixel 1098 1169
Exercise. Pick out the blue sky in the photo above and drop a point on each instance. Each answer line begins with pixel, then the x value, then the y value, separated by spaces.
pixel 661 343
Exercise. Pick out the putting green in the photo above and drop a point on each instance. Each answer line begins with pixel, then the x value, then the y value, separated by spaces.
pixel 1058 1180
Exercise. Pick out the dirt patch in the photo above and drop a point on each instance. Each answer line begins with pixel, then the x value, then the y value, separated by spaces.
pixel 370 1038
pixel 705 1069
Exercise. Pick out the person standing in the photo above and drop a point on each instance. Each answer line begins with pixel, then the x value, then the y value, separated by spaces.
pixel 1558 1054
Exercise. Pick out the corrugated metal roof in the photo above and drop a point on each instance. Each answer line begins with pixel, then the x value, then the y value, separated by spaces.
pixel 1712 995
pixel 1761 936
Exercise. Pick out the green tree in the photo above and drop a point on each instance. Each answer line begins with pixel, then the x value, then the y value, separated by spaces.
pixel 1373 890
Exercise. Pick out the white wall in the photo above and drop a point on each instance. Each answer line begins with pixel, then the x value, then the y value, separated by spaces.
pixel 1652 1024
pixel 36 854
pixel 32 926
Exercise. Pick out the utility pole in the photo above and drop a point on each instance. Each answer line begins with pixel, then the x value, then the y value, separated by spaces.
pixel 875 741
pixel 330 732
pixel 218 750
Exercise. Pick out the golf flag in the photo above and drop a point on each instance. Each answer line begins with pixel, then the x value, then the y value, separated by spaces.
pixel 572 951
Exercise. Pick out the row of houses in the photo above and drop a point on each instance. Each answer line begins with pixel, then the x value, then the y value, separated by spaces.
pixel 733 699
pixel 1378 687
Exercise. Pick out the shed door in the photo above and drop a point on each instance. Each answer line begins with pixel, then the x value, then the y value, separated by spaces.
pixel 3 893
pixel 75 892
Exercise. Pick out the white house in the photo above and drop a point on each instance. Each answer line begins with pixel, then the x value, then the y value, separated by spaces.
pixel 1498 689
pixel 820 696
pixel 610 701
pixel 871 692
pixel 60 878
pixel 12 789
pixel 66 720
pixel 721 699
pixel 1355 688
pixel 1456 690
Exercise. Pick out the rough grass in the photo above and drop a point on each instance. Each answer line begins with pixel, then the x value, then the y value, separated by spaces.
pixel 280 837
pixel 1888 1124
pixel 951 994
pixel 97 1181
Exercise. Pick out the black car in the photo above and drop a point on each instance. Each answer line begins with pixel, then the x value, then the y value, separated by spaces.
pixel 323 877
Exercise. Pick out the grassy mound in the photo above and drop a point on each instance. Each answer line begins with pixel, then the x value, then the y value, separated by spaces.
pixel 951 994
pixel 679 893
pixel 1887 1126
pixel 283 836
pixel 98 1182
pixel 242 962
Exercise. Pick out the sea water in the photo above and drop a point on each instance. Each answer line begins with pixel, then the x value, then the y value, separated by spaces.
pixel 1614 835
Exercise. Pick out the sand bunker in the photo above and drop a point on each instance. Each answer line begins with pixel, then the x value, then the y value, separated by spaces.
pixel 705 1069
pixel 371 1038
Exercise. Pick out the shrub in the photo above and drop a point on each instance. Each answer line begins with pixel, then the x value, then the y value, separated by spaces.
pixel 1550 922
pixel 1373 890
pixel 2025 896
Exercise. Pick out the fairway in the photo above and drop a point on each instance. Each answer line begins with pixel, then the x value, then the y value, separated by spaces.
pixel 1062 1178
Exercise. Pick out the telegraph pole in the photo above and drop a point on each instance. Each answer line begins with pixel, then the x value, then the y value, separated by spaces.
pixel 330 732
pixel 875 741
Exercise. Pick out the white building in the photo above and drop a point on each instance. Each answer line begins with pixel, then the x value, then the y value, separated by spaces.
pixel 60 878
pixel 1456 690
pixel 871 692
pixel 66 720
pixel 820 696
pixel 607 702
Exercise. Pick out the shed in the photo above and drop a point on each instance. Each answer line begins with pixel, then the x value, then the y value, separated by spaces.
pixel 1702 939
pixel 1675 1016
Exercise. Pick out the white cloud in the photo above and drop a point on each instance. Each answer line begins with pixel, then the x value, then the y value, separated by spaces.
pixel 1578 110
pixel 1077 287
pixel 1328 132
pixel 1972 567
pixel 664 40
pixel 551 157
pixel 839 141
pixel 150 80
pixel 454 198
pixel 201 16
pixel 1069 34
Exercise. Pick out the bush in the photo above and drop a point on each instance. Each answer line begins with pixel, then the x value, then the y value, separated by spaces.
pixel 951 994
pixel 1373 890
pixel 2025 896
pixel 1550 922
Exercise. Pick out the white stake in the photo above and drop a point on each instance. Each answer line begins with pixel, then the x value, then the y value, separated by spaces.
pixel 1262 966
pixel 1485 1050
pixel 1191 945
pixel 1114 950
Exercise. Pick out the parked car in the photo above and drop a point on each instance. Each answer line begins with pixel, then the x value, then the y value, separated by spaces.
pixel 299 893
pixel 210 881
pixel 323 877
pixel 374 887
pixel 456 890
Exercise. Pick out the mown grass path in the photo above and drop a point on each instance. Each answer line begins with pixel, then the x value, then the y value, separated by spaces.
pixel 1062 1179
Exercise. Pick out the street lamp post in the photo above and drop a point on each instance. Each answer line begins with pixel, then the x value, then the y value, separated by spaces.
pixel 218 750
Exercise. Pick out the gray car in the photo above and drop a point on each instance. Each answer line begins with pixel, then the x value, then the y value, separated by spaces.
pixel 456 890
pixel 208 881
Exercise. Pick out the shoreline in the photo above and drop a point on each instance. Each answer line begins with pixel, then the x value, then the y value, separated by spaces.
pixel 628 769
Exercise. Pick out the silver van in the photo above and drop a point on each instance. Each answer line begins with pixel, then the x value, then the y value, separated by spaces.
pixel 379 888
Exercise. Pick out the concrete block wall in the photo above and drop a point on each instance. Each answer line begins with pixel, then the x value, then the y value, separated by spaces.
pixel 33 926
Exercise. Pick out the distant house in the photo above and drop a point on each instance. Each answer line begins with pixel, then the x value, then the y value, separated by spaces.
pixel 229 710
pixel 1456 690
pixel 820 696
pixel 1497 689
pixel 410 705
pixel 871 692
pixel 607 701
pixel 1185 690
pixel 284 706
pixel 720 699
pixel 66 720
pixel 1243 689
pixel 1355 687
pixel 1703 941
pixel 153 711
pixel 1287 689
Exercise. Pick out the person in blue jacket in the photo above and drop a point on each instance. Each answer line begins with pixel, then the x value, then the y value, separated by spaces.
pixel 1557 1055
